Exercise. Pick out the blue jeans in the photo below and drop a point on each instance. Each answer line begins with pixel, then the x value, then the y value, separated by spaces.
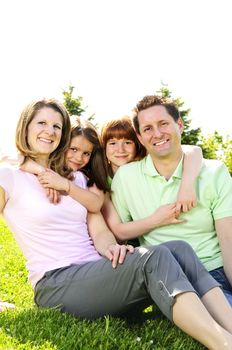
pixel 220 276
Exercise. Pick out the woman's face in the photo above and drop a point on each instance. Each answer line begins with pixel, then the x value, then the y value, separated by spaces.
pixel 44 132
pixel 78 153
pixel 119 152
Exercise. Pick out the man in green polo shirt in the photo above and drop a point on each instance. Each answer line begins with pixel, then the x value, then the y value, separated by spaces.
pixel 141 187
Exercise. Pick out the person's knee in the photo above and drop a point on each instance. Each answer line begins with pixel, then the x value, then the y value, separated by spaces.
pixel 186 251
pixel 184 245
pixel 159 249
pixel 178 246
pixel 158 255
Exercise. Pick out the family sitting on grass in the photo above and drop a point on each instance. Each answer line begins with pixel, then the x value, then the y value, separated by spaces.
pixel 74 240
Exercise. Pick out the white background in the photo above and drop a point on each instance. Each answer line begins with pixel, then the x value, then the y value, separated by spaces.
pixel 114 53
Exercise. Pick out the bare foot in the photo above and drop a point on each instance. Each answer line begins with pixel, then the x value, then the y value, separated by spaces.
pixel 4 306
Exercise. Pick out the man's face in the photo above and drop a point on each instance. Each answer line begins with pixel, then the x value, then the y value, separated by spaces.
pixel 159 133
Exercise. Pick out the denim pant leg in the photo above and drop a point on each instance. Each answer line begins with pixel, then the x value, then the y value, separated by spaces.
pixel 220 276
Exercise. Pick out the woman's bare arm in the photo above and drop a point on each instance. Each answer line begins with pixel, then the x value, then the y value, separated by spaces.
pixel 104 240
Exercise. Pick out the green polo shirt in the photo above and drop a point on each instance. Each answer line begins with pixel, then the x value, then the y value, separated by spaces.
pixel 138 190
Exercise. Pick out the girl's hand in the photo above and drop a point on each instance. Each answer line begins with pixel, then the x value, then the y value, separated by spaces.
pixel 50 179
pixel 117 253
pixel 166 215
pixel 186 199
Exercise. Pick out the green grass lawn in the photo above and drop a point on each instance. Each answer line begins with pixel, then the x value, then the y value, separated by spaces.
pixel 28 327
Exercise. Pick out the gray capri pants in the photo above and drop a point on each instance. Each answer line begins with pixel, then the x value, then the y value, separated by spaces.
pixel 154 274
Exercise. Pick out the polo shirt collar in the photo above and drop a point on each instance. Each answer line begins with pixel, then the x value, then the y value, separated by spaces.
pixel 150 169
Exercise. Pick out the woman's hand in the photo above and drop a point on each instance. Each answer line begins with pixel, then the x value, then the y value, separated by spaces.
pixel 117 253
pixel 52 195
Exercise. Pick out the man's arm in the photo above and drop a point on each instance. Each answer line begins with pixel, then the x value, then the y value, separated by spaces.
pixel 224 232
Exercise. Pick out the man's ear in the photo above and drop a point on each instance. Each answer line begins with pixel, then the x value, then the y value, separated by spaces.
pixel 139 138
pixel 180 124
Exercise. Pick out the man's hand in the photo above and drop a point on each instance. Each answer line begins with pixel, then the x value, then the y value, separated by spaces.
pixel 117 253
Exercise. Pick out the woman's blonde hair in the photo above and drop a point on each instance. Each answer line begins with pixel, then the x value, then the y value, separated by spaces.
pixel 56 158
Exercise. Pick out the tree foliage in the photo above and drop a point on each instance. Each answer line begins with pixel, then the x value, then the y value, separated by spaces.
pixel 74 105
pixel 213 146
pixel 227 154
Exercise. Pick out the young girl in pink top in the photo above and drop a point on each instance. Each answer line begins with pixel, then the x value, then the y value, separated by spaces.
pixel 71 254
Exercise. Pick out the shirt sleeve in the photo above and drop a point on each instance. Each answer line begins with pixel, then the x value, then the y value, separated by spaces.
pixel 80 179
pixel 7 180
pixel 222 203
pixel 14 159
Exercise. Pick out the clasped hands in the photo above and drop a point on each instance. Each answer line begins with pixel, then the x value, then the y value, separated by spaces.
pixel 54 184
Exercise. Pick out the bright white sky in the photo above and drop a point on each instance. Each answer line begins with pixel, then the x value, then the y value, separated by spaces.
pixel 114 52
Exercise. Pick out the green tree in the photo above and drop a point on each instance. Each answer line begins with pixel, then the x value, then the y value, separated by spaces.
pixel 211 145
pixel 214 146
pixel 189 136
pixel 227 153
pixel 74 105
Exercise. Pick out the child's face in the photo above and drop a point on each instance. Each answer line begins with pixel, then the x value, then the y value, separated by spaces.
pixel 119 152
pixel 78 153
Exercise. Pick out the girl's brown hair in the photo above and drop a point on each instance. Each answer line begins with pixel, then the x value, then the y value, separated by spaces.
pixel 95 169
